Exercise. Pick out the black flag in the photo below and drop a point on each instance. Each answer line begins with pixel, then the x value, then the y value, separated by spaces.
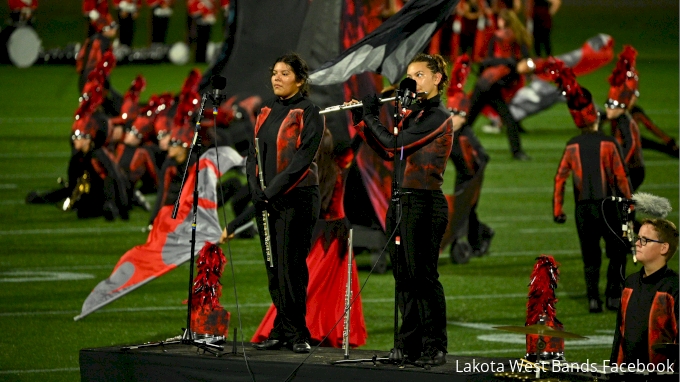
pixel 388 49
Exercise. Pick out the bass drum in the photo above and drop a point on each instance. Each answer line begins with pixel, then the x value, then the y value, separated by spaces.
pixel 20 46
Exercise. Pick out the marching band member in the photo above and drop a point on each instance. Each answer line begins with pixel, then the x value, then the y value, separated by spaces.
pixel 419 219
pixel 289 129
pixel 598 172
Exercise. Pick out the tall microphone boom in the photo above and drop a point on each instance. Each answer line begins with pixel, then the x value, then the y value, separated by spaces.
pixel 646 203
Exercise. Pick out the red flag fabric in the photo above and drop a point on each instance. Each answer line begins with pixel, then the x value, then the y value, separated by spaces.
pixel 168 244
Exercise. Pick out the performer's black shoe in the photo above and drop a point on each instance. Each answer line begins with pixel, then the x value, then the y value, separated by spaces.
pixel 595 305
pixel 301 346
pixel 521 156
pixel 268 344
pixel 34 198
pixel 396 356
pixel 110 211
pixel 613 303
pixel 485 243
pixel 438 358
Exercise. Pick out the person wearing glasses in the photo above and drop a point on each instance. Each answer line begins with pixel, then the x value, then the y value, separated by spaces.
pixel 649 302
pixel 598 172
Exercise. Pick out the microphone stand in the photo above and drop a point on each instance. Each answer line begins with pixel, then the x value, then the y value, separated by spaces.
pixel 396 200
pixel 188 336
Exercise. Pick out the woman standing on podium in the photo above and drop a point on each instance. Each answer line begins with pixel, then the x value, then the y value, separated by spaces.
pixel 288 131
pixel 416 221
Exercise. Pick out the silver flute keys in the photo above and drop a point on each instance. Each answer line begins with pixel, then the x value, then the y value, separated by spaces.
pixel 348 297
pixel 265 214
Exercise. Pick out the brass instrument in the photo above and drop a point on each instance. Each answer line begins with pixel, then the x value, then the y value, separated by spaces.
pixel 82 187
pixel 265 214
pixel 348 297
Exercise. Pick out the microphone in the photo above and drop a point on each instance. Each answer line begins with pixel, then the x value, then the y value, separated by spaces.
pixel 218 83
pixel 407 91
pixel 646 203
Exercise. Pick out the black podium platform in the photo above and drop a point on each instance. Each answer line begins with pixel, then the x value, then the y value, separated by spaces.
pixel 186 363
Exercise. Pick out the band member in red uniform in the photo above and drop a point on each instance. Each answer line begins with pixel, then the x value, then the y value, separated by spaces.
pixel 327 261
pixel 92 11
pixel 95 47
pixel 598 172
pixel 128 10
pixel 649 302
pixel 417 221
pixel 501 70
pixel 179 137
pixel 22 10
pixel 200 19
pixel 468 156
pixel 289 129
pixel 161 10
pixel 539 22
pixel 623 92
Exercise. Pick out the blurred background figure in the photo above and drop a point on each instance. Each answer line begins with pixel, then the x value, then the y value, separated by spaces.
pixel 161 10
pixel 128 10
pixel 200 19
pixel 22 10
pixel 93 10
pixel 501 73
pixel 539 14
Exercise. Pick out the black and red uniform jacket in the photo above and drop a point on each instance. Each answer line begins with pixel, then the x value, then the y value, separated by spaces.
pixel 289 132
pixel 598 170
pixel 424 141
pixel 627 133
pixel 467 154
pixel 648 316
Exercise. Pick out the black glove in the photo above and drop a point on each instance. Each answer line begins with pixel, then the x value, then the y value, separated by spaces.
pixel 371 105
pixel 560 219
pixel 357 114
pixel 259 197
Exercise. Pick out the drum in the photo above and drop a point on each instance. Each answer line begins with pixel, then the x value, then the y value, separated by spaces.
pixel 20 46
pixel 544 348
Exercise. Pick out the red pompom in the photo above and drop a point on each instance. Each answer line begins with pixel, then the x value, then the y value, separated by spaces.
pixel 207 286
pixel 625 66
pixel 542 291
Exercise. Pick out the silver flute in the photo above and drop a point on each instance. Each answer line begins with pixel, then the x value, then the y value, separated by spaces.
pixel 265 214
pixel 352 106
pixel 348 297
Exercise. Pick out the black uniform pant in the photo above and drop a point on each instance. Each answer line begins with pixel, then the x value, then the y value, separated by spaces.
pixel 420 295
pixel 126 28
pixel 482 96
pixel 159 27
pixel 592 226
pixel 291 221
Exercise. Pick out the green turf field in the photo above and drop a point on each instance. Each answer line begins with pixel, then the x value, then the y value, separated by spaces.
pixel 50 260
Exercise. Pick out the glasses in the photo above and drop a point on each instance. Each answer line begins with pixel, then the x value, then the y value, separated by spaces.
pixel 644 240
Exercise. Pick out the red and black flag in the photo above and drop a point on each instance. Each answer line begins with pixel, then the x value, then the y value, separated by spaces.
pixel 390 47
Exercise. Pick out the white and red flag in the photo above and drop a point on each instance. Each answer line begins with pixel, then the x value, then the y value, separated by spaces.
pixel 168 245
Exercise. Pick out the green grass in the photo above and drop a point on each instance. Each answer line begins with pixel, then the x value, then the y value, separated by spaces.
pixel 41 341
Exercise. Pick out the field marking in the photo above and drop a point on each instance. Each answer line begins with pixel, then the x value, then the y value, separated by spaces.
pixel 26 155
pixel 549 190
pixel 31 371
pixel 16 276
pixel 22 120
pixel 68 231
pixel 261 305
pixel 32 176
pixel 8 186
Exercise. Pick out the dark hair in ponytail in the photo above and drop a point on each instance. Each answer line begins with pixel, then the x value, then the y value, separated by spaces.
pixel 437 64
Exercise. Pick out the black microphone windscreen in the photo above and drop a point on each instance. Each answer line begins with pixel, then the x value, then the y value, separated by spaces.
pixel 218 82
pixel 408 84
